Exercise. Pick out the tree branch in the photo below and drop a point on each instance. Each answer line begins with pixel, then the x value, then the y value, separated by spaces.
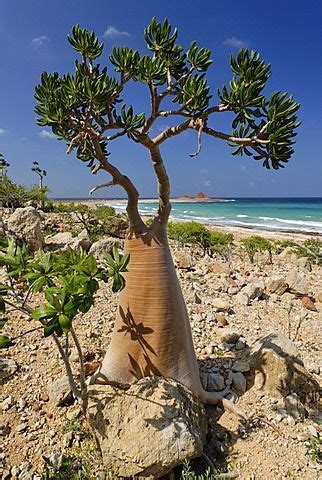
pixel 108 184
pixel 136 223
pixel 172 131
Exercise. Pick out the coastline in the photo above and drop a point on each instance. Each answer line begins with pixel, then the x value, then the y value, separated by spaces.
pixel 238 231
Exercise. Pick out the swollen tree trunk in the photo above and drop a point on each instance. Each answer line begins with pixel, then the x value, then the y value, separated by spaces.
pixel 152 334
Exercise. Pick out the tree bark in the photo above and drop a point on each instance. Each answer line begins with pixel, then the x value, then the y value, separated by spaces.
pixel 152 334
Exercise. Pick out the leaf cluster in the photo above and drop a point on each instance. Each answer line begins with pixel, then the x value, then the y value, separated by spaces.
pixel 255 244
pixel 272 121
pixel 194 233
pixel 69 281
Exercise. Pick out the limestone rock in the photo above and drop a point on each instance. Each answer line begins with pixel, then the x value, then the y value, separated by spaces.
pixel 254 290
pixel 276 284
pixel 242 298
pixel 59 241
pixel 104 245
pixel 59 391
pixel 221 305
pixel 308 304
pixel 297 282
pixel 8 367
pixel 82 241
pixel 227 335
pixel 218 268
pixel 148 429
pixel 25 223
pixel 279 369
pixel 183 260
pixel 304 264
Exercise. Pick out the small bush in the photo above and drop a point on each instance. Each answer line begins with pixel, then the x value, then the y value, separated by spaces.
pixel 190 233
pixel 280 245
pixel 257 244
pixel 311 248
pixel 221 243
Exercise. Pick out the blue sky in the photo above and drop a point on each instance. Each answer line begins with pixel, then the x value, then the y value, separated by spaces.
pixel 287 34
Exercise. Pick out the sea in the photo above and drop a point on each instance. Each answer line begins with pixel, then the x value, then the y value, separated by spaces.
pixel 269 214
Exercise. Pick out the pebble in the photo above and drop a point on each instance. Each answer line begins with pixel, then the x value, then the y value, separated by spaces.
pixel 241 366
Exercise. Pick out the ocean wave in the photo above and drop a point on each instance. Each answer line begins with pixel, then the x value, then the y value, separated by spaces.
pixel 242 216
pixel 291 221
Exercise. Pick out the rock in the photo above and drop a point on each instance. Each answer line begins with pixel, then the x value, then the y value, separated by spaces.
pixel 59 391
pixel 60 241
pixel 227 336
pixel 294 407
pixel 242 298
pixel 308 304
pixel 55 460
pixel 90 368
pixel 276 284
pixel 221 305
pixel 8 367
pixel 213 382
pixel 221 320
pixel 25 223
pixel 233 290
pixel 288 254
pixel 148 429
pixel 183 260
pixel 304 264
pixel 218 268
pixel 241 366
pixel 297 282
pixel 319 296
pixel 239 383
pixel 4 429
pixel 240 345
pixel 82 241
pixel 106 244
pixel 254 290
pixel 279 369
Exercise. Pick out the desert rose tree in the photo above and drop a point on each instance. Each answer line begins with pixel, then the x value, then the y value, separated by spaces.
pixel 87 109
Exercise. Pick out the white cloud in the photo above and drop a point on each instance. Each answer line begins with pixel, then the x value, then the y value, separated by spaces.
pixel 113 32
pixel 39 41
pixel 46 134
pixel 2 131
pixel 235 42
pixel 243 168
pixel 207 183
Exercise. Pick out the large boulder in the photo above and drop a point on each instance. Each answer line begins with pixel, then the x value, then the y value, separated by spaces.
pixel 218 268
pixel 8 367
pixel 104 245
pixel 148 429
pixel 279 370
pixel 25 224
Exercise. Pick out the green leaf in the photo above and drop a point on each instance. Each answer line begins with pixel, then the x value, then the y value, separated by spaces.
pixel 65 322
pixel 40 313
pixel 5 341
pixel 2 305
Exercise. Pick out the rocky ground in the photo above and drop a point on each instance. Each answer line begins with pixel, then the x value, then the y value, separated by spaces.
pixel 230 307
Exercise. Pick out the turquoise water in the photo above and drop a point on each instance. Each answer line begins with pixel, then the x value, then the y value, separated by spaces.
pixel 298 215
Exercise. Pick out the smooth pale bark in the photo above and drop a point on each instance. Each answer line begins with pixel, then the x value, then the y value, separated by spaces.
pixel 152 334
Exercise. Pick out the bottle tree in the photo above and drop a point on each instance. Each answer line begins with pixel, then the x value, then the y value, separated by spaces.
pixel 40 172
pixel 87 109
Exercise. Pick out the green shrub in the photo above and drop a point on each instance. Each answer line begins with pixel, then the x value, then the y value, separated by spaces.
pixel 311 248
pixel 221 243
pixel 280 245
pixel 257 244
pixel 190 233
